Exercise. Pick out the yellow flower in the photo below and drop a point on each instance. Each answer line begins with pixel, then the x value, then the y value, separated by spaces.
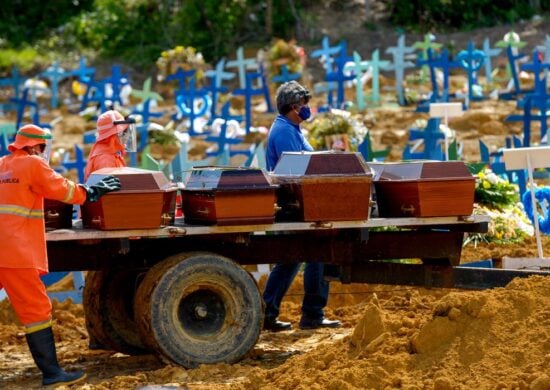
pixel 486 184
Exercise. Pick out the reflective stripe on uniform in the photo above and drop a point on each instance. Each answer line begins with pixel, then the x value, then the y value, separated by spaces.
pixel 21 211
pixel 31 328
pixel 70 192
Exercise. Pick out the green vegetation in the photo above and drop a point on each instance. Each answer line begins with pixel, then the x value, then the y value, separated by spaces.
pixel 136 32
pixel 426 15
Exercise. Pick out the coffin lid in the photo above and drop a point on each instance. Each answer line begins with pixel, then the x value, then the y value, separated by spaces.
pixel 327 163
pixel 414 170
pixel 227 179
pixel 134 180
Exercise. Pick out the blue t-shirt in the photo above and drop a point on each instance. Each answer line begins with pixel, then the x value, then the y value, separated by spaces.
pixel 284 136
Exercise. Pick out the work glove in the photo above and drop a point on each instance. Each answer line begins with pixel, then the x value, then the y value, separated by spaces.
pixel 105 185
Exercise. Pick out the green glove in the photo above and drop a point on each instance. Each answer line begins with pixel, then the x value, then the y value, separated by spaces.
pixel 105 185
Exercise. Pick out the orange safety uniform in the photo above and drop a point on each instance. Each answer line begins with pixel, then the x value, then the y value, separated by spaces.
pixel 107 152
pixel 24 182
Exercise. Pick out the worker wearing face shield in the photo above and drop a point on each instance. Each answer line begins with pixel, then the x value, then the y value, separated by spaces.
pixel 116 136
pixel 25 180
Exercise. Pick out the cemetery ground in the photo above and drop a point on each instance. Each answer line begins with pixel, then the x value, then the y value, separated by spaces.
pixel 392 336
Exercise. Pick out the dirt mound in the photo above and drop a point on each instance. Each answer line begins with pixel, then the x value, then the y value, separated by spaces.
pixel 454 343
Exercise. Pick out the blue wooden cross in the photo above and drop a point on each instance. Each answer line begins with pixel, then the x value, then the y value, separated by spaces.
pixel 496 164
pixel 217 76
pixel 55 74
pixel 540 101
pixel 359 68
pixel 376 65
pixel 146 93
pixel 489 53
pixel 185 101
pixel 325 53
pixel 144 110
pixel 337 75
pixel 285 75
pixel 427 44
pixel 399 65
pixel 14 82
pixel 143 131
pixel 242 64
pixel 471 60
pixel 79 163
pixel 117 80
pixel 181 77
pixel 83 73
pixel 263 85
pixel 537 68
pixel 327 88
pixel 95 93
pixel 23 103
pixel 512 43
pixel 222 140
pixel 248 92
pixel 432 138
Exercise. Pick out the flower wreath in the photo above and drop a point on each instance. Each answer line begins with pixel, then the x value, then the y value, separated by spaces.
pixel 540 195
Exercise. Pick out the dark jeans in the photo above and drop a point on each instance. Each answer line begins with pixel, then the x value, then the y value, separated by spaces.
pixel 315 289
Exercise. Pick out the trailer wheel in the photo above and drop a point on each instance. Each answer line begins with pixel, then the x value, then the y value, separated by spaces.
pixel 199 308
pixel 108 299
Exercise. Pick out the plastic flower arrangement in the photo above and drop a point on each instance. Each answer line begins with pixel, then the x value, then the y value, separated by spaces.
pixel 499 199
pixel 332 123
pixel 494 191
pixel 183 57
pixel 506 226
pixel 285 53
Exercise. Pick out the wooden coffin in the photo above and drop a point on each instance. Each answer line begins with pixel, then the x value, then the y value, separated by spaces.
pixel 322 186
pixel 423 189
pixel 57 215
pixel 146 200
pixel 228 196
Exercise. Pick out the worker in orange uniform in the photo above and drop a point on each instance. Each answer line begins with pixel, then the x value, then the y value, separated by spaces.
pixel 115 136
pixel 25 179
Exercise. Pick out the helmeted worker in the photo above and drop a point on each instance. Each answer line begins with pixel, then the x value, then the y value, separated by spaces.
pixel 25 179
pixel 115 136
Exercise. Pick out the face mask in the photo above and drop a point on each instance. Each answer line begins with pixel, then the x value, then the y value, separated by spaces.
pixel 304 113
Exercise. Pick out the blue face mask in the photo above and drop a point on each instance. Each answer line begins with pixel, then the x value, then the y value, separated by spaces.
pixel 304 113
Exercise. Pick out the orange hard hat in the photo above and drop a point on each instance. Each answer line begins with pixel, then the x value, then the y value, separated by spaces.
pixel 30 135
pixel 106 126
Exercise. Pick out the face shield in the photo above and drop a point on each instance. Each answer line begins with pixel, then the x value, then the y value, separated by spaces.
pixel 128 137
pixel 43 150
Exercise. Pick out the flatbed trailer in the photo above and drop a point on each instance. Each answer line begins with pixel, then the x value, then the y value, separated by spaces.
pixel 181 292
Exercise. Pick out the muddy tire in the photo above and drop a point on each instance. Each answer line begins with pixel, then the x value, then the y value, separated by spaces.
pixel 199 308
pixel 108 300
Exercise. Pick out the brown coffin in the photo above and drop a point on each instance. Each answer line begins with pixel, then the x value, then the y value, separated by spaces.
pixel 423 189
pixel 57 215
pixel 228 196
pixel 146 200
pixel 322 186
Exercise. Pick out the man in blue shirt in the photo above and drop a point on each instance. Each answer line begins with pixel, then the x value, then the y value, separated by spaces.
pixel 285 136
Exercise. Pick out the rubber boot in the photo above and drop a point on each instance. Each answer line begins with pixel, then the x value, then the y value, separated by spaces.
pixel 42 346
